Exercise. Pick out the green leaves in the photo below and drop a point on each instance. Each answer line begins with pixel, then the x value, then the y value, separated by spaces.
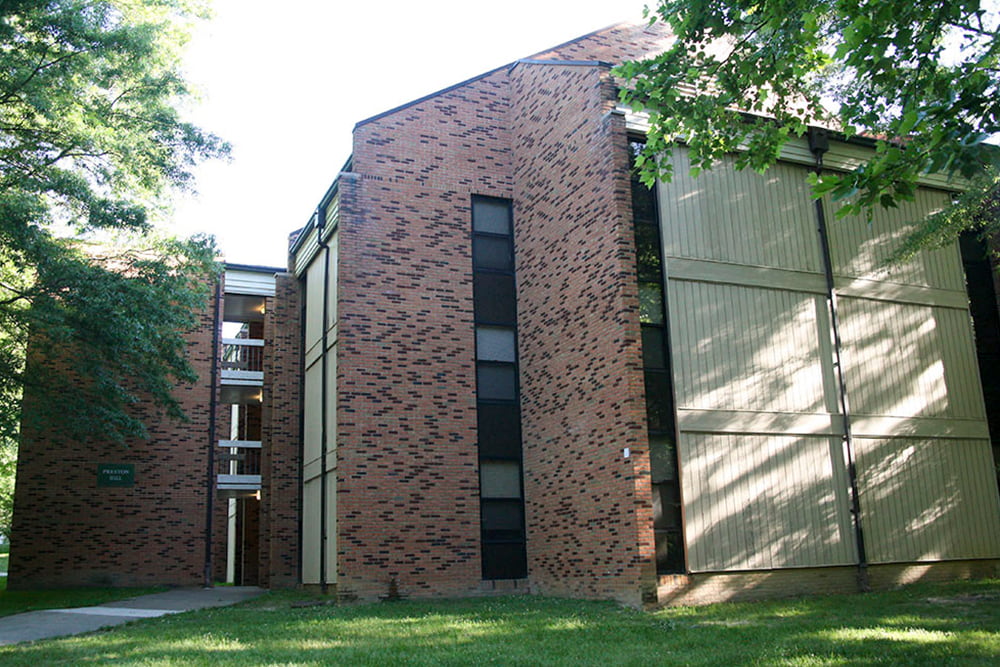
pixel 91 142
pixel 921 76
pixel 106 324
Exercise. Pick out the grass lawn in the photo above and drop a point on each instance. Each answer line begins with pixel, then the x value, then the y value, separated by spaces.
pixel 922 625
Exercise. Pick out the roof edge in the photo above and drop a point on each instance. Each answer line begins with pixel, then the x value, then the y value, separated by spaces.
pixel 506 66
pixel 419 100
pixel 252 268
pixel 584 36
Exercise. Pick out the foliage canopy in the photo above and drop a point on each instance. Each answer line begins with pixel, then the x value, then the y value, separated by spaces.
pixel 921 77
pixel 91 143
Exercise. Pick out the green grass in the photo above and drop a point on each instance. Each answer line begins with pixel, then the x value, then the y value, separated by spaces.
pixel 923 625
pixel 15 602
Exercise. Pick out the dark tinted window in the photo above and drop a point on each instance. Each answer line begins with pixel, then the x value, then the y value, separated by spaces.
pixel 494 298
pixel 662 458
pixel 492 253
pixel 499 430
pixel 496 382
pixel 659 411
pixel 504 561
pixel 647 252
pixel 650 303
pixel 652 348
pixel 502 520
pixel 491 215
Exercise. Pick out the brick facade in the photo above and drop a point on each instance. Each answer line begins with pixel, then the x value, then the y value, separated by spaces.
pixel 589 508
pixel 281 460
pixel 544 134
pixel 69 532
pixel 407 484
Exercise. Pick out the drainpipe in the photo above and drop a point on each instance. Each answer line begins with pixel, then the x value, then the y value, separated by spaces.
pixel 819 143
pixel 323 509
pixel 212 407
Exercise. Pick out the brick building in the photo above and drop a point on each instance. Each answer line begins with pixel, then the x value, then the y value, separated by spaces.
pixel 496 363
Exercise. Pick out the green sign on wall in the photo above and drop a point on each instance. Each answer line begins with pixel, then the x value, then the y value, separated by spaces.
pixel 115 474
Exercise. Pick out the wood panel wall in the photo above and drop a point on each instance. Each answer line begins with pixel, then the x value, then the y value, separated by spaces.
pixel 763 469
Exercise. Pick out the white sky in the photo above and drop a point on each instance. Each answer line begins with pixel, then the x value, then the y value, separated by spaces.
pixel 286 82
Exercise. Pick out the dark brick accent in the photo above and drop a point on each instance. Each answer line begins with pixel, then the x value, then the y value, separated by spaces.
pixel 282 450
pixel 407 472
pixel 589 509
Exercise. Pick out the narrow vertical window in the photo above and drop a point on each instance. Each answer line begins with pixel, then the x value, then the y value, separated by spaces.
pixel 501 489
pixel 658 379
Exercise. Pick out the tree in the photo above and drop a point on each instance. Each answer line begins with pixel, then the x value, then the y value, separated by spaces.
pixel 91 145
pixel 921 77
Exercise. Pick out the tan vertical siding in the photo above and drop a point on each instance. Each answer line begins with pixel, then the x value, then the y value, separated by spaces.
pixel 313 411
pixel 331 301
pixel 740 217
pixel 747 326
pixel 314 308
pixel 860 247
pixel 311 449
pixel 764 502
pixel 762 467
pixel 312 424
pixel 310 531
pixel 906 360
pixel 928 499
pixel 740 348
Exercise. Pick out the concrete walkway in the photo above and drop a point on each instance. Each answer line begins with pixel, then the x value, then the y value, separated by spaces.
pixel 33 625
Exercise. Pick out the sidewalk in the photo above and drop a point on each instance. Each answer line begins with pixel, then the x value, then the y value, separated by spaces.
pixel 33 625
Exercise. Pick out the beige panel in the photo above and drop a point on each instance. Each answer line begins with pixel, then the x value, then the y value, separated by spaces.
pixel 841 156
pixel 331 410
pixel 314 303
pixel 860 248
pixel 915 427
pixel 744 421
pixel 916 294
pixel 310 531
pixel 748 276
pixel 740 217
pixel 928 499
pixel 331 300
pixel 331 529
pixel 308 248
pixel 761 502
pixel 904 360
pixel 312 421
pixel 332 215
pixel 764 484
pixel 741 348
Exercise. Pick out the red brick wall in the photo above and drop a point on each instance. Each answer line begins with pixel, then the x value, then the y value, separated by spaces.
pixel 407 459
pixel 407 478
pixel 68 532
pixel 281 454
pixel 614 44
pixel 589 509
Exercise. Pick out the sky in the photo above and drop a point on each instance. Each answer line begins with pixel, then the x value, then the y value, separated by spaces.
pixel 285 83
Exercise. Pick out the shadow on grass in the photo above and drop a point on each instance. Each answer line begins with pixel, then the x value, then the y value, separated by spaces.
pixel 923 626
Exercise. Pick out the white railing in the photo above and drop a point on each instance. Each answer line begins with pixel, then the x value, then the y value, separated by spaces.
pixel 243 359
